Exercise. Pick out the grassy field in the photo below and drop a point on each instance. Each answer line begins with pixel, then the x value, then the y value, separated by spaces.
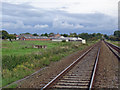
pixel 19 61
pixel 25 47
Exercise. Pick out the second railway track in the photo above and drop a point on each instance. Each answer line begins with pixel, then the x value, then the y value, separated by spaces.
pixel 115 49
pixel 82 73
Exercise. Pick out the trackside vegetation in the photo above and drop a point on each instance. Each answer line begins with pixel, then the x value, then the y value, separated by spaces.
pixel 19 59
pixel 117 43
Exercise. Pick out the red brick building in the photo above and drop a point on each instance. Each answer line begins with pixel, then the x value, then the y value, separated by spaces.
pixel 33 38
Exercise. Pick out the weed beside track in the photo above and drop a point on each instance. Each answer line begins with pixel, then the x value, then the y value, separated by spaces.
pixel 17 66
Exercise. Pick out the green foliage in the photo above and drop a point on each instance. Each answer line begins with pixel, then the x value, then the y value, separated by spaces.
pixel 4 34
pixel 114 37
pixel 44 34
pixel 94 36
pixel 11 36
pixel 65 35
pixel 73 35
pixel 117 33
pixel 13 86
pixel 35 34
pixel 17 66
pixel 84 36
pixel 51 33
pixel 27 33
pixel 106 36
pixel 114 42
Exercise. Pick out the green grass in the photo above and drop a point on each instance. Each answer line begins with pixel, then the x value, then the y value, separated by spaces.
pixel 19 47
pixel 13 86
pixel 18 61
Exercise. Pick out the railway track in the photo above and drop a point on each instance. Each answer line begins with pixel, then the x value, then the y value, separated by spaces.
pixel 80 74
pixel 115 49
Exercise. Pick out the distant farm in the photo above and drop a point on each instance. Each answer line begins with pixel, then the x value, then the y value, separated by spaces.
pixel 24 54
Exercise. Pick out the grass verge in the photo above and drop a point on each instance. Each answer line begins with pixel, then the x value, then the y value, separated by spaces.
pixel 16 67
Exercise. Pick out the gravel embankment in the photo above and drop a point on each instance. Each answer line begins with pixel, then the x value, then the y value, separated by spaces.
pixel 37 80
pixel 107 70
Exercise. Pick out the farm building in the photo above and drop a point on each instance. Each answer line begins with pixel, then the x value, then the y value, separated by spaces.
pixel 69 39
pixel 53 37
pixel 29 37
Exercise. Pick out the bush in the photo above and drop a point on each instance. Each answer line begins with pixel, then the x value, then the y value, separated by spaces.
pixel 63 40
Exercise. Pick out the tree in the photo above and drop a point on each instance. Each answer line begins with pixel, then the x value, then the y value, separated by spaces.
pixel 5 34
pixel 27 33
pixel 73 35
pixel 11 36
pixel 99 36
pixel 117 33
pixel 112 38
pixel 84 36
pixel 15 34
pixel 93 35
pixel 46 34
pixel 35 34
pixel 65 35
pixel 106 36
pixel 51 33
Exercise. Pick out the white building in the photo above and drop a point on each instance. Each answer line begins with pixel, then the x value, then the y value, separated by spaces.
pixel 60 39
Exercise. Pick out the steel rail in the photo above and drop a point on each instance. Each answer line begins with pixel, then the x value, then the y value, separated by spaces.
pixel 110 46
pixel 114 45
pixel 66 69
pixel 94 70
pixel 117 47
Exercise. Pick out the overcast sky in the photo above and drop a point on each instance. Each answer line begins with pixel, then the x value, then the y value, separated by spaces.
pixel 60 16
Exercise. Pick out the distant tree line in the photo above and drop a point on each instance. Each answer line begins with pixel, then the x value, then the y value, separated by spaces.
pixel 114 37
pixel 93 36
pixel 6 35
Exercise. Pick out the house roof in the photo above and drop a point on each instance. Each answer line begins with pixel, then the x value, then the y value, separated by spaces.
pixel 32 37
pixel 24 35
pixel 67 38
pixel 36 37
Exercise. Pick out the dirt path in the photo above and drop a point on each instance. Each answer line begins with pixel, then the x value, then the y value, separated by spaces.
pixel 51 71
pixel 107 70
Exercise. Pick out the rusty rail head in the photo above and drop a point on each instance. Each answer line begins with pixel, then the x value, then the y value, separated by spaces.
pixel 94 70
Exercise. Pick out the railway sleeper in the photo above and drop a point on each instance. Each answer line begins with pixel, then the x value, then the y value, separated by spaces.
pixel 87 74
pixel 80 78
pixel 74 72
pixel 72 76
pixel 72 84
pixel 74 81
pixel 78 87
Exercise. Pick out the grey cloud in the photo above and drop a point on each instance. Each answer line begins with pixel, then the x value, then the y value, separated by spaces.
pixel 36 17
